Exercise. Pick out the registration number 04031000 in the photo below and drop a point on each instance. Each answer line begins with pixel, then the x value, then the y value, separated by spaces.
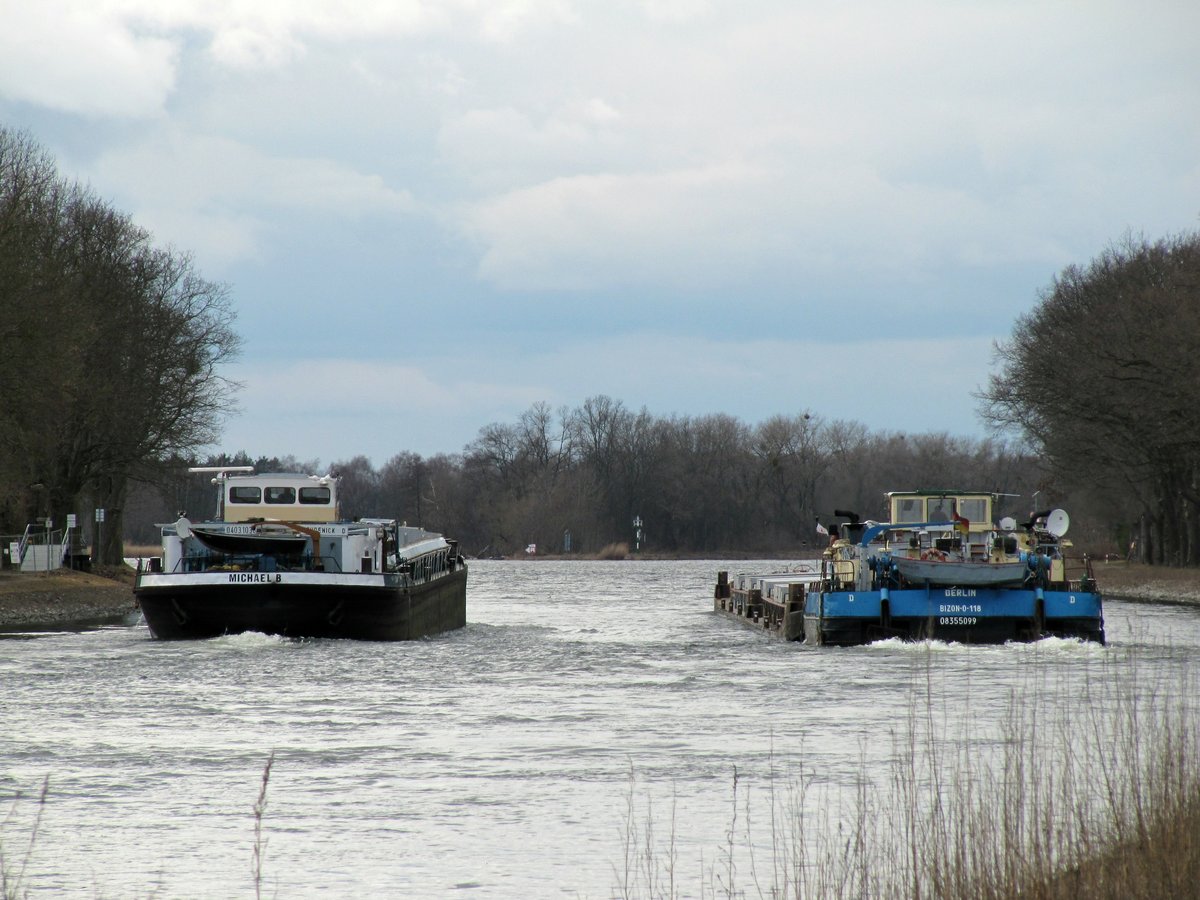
pixel 957 620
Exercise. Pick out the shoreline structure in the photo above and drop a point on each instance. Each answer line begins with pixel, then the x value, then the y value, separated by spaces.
pixel 64 598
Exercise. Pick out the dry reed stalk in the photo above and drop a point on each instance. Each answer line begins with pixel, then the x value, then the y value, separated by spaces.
pixel 11 883
pixel 260 842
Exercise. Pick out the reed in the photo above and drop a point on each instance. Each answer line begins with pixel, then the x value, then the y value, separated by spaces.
pixel 12 872
pixel 260 842
pixel 1099 800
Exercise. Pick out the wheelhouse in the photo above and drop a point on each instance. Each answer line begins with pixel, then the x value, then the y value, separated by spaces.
pixel 284 496
pixel 919 507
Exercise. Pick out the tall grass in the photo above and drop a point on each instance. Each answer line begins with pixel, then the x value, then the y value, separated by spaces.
pixel 260 842
pixel 12 871
pixel 1089 796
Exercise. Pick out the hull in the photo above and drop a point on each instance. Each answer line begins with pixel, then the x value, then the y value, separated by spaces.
pixel 380 607
pixel 943 568
pixel 964 615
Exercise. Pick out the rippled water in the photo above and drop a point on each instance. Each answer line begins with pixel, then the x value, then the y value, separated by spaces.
pixel 495 761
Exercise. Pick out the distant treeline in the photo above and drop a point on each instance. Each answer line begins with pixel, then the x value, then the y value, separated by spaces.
pixel 699 485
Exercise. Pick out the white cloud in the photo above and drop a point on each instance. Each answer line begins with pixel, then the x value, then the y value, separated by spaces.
pixel 337 408
pixel 721 225
pixel 78 58
pixel 218 197
pixel 502 21
pixel 120 58
pixel 242 47
pixel 676 10
pixel 605 230
pixel 499 148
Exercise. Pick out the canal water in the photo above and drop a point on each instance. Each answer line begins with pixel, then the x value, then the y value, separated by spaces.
pixel 584 705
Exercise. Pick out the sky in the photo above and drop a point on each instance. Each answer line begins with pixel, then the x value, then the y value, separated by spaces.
pixel 432 215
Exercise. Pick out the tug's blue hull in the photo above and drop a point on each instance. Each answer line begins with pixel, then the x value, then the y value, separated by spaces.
pixel 969 615
pixel 943 568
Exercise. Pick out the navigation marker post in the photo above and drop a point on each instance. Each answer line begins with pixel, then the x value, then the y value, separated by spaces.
pixel 99 531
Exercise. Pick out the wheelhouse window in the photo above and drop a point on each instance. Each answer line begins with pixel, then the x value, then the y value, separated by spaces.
pixel 317 496
pixel 909 509
pixel 941 509
pixel 974 509
pixel 244 494
pixel 281 495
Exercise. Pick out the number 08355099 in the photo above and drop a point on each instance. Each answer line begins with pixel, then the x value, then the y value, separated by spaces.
pixel 957 620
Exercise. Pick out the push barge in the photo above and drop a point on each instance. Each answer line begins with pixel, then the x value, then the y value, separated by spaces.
pixel 279 560
pixel 940 569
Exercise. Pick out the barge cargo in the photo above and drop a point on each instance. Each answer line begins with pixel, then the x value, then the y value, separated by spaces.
pixel 939 569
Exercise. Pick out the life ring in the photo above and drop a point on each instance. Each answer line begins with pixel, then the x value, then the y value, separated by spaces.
pixel 933 555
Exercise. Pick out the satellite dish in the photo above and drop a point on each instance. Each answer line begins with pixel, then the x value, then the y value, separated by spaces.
pixel 1008 523
pixel 1058 522
pixel 183 528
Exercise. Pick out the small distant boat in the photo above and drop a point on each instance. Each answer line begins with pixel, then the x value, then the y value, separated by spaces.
pixel 278 559
pixel 940 568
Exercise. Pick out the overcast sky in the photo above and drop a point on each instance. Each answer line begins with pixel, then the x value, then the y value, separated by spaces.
pixel 434 214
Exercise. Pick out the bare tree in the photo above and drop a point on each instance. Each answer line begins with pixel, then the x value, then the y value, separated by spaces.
pixel 1101 378
pixel 112 347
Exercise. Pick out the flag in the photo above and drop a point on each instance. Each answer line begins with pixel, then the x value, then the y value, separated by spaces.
pixel 960 524
pixel 821 529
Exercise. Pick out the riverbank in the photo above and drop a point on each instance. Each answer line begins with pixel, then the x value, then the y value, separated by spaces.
pixel 63 598
pixel 1149 584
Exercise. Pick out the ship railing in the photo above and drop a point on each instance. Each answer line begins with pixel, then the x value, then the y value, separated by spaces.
pixel 23 543
pixel 252 562
pixel 430 566
pixel 36 534
pixel 1077 570
pixel 417 570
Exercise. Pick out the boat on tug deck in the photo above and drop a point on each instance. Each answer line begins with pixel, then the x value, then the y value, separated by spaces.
pixel 278 559
pixel 941 568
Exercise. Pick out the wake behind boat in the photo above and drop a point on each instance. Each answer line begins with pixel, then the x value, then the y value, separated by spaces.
pixel 941 568
pixel 279 560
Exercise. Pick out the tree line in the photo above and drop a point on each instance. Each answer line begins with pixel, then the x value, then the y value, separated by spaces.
pixel 577 479
pixel 111 348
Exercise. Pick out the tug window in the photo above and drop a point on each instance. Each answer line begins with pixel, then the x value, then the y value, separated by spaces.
pixel 973 510
pixel 316 495
pixel 941 509
pixel 281 495
pixel 244 495
pixel 910 509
